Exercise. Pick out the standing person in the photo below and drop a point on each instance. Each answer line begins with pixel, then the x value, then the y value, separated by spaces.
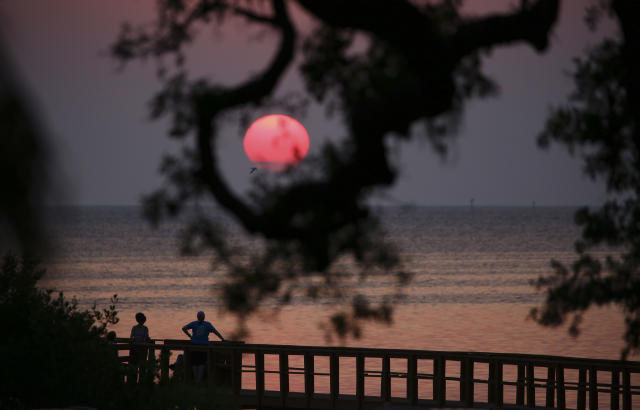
pixel 139 336
pixel 200 330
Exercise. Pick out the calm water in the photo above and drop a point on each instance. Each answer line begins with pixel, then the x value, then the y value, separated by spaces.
pixel 470 291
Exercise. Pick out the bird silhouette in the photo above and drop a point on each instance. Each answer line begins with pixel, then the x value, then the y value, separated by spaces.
pixel 253 170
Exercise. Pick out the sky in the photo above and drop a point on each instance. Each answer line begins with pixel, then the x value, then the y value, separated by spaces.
pixel 107 151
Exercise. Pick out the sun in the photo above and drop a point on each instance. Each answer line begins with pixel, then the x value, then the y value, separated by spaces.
pixel 276 142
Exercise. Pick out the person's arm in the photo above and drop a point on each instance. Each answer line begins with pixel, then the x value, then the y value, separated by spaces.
pixel 132 329
pixel 184 329
pixel 146 334
pixel 217 333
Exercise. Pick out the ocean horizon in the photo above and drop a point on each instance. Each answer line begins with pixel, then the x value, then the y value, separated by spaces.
pixel 472 269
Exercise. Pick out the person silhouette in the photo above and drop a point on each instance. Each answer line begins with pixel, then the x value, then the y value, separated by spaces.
pixel 200 330
pixel 139 336
pixel 178 369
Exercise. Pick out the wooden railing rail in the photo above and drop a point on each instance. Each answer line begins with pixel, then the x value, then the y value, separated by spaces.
pixel 477 373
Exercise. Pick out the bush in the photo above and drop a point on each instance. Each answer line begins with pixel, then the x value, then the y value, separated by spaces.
pixel 54 354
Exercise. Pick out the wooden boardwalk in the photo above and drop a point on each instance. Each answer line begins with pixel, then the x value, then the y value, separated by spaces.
pixel 314 377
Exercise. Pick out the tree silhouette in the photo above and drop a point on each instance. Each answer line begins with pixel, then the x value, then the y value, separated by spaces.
pixel 420 65
pixel 600 122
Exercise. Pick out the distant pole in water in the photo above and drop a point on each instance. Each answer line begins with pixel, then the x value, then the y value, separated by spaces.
pixel 533 204
pixel 471 201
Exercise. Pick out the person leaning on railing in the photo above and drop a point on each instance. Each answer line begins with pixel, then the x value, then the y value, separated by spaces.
pixel 200 330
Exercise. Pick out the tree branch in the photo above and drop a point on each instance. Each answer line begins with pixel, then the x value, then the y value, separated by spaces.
pixel 628 13
pixel 380 17
pixel 416 34
pixel 210 103
pixel 532 24
pixel 251 16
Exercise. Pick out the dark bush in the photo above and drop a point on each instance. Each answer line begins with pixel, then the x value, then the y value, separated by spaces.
pixel 54 354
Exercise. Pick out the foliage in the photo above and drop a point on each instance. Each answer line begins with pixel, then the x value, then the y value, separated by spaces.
pixel 600 123
pixel 316 226
pixel 54 354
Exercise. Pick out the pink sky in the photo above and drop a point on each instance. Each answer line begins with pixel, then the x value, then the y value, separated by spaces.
pixel 109 152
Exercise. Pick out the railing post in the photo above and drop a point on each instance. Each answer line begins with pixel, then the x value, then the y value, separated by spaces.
pixel 582 389
pixel 615 389
pixel 334 378
pixel 148 369
pixel 626 390
pixel 499 389
pixel 385 380
pixel 561 390
pixel 284 377
pixel 531 387
pixel 308 377
pixel 164 365
pixel 551 379
pixel 236 372
pixel 593 389
pixel 150 354
pixel 439 382
pixel 468 383
pixel 412 379
pixel 436 375
pixel 463 380
pixel 259 376
pixel 495 393
pixel 360 380
pixel 520 385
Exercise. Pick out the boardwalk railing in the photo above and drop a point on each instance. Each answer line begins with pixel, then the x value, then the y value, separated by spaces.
pixel 365 378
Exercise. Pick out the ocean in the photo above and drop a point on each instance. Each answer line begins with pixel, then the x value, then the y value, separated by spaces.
pixel 470 291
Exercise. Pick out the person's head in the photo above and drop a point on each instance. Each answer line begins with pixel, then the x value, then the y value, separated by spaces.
pixel 141 318
pixel 200 316
pixel 111 336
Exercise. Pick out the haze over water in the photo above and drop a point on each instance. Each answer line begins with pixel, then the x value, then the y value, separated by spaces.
pixel 470 289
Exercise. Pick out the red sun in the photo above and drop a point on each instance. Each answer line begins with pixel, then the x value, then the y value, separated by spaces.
pixel 276 142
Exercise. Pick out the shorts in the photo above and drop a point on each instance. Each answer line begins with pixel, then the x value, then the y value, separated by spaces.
pixel 198 358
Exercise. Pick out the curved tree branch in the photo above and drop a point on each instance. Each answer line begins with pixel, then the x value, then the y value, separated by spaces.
pixel 209 103
pixel 379 17
pixel 531 24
